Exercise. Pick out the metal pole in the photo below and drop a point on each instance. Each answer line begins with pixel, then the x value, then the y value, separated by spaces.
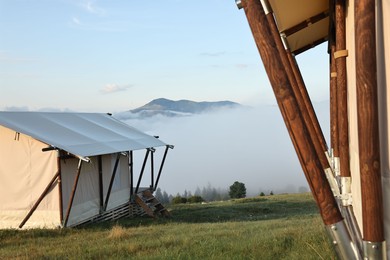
pixel 73 192
pixel 368 125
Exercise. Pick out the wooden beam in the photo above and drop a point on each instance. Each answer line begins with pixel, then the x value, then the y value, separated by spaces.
pixel 76 180
pixel 300 93
pixel 367 111
pixel 60 197
pixel 290 110
pixel 342 95
pixel 46 190
pixel 334 129
pixel 101 191
pixel 111 181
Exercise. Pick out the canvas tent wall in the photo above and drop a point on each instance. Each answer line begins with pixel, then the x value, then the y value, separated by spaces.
pixel 43 151
pixel 358 34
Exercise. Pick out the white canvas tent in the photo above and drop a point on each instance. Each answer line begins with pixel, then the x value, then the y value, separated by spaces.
pixel 62 169
pixel 350 179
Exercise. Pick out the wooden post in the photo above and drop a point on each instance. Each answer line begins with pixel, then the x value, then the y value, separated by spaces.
pixel 142 170
pixel 342 96
pixel 368 133
pixel 111 181
pixel 152 171
pixel 290 110
pixel 100 170
pixel 131 163
pixel 334 129
pixel 59 181
pixel 300 93
pixel 161 166
pixel 76 180
pixel 32 210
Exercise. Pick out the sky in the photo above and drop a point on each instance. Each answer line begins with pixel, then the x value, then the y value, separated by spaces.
pixel 111 56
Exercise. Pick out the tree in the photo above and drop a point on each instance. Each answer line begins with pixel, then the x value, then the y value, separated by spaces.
pixel 237 190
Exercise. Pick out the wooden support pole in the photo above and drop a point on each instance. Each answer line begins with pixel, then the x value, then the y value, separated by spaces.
pixel 60 197
pixel 367 111
pixel 161 166
pixel 334 129
pixel 111 181
pixel 300 93
pixel 100 170
pixel 152 171
pixel 131 164
pixel 142 170
pixel 46 190
pixel 76 180
pixel 342 94
pixel 290 110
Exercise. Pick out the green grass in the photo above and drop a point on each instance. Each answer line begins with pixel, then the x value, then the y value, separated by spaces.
pixel 271 227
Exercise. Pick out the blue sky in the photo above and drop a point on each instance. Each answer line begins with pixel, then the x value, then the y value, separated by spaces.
pixel 110 56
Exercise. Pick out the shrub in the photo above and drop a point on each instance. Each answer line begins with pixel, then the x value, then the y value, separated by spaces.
pixel 179 200
pixel 195 199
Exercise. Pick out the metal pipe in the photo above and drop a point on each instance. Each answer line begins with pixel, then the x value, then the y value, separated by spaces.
pixel 73 192
pixel 111 181
pixel 32 210
pixel 342 241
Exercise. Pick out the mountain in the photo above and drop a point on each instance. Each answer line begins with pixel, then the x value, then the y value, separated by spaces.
pixel 171 108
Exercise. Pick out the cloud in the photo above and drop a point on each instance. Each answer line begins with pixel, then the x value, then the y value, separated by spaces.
pixel 75 20
pixel 213 54
pixel 5 57
pixel 92 8
pixel 112 88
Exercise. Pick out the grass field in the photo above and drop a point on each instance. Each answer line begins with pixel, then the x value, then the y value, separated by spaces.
pixel 270 227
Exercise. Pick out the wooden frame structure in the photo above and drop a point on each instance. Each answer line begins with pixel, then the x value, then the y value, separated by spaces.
pixel 328 170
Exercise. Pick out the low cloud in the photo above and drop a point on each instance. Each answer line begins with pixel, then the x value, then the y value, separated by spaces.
pixel 112 88
pixel 242 66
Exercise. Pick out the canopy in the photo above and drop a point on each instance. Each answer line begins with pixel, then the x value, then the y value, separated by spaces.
pixel 81 134
pixel 305 23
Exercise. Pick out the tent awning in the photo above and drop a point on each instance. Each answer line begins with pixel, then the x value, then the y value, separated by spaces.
pixel 305 23
pixel 82 134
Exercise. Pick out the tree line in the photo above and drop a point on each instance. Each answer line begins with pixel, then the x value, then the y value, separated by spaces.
pixel 205 194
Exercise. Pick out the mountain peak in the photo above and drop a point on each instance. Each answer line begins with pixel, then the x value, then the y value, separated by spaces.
pixel 172 108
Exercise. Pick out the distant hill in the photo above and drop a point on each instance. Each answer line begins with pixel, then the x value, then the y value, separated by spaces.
pixel 171 108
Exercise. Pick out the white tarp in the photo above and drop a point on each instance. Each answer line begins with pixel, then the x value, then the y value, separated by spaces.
pixel 26 170
pixel 82 134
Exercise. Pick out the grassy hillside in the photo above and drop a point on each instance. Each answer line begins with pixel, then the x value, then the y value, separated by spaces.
pixel 271 227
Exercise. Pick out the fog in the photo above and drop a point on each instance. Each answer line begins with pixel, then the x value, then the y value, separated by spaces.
pixel 250 145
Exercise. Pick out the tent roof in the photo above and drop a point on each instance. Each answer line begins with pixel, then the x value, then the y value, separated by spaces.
pixel 81 134
pixel 304 22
